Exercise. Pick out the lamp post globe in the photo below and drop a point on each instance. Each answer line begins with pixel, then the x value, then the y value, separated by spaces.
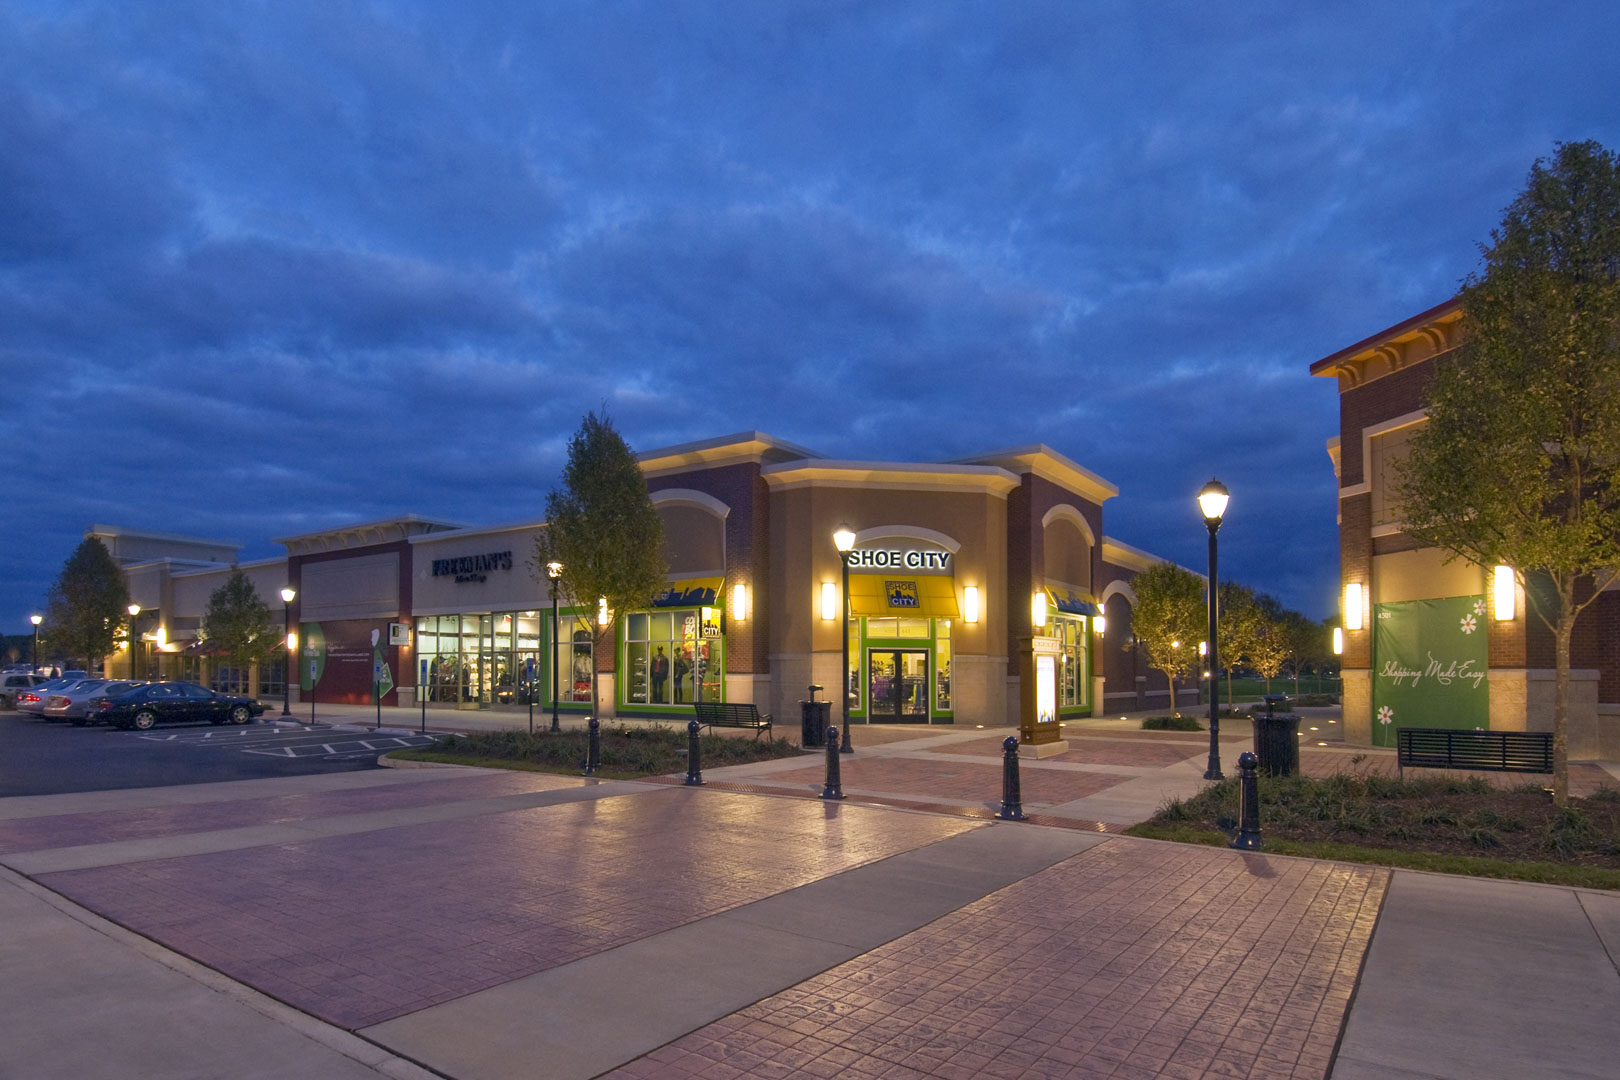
pixel 554 571
pixel 1212 500
pixel 844 541
pixel 287 595
pixel 36 620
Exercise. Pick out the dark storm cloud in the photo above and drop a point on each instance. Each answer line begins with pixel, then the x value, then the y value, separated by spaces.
pixel 267 268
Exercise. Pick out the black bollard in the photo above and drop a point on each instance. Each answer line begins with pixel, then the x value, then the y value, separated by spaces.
pixel 835 783
pixel 1248 837
pixel 694 755
pixel 593 753
pixel 1012 799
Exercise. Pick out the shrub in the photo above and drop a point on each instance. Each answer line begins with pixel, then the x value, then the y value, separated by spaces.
pixel 1171 723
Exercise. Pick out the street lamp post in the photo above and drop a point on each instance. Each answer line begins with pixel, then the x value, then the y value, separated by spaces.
pixel 844 540
pixel 134 610
pixel 36 620
pixel 1212 502
pixel 554 571
pixel 287 595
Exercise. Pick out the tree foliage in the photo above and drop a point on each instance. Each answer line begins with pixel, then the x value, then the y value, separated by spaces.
pixel 87 606
pixel 1271 637
pixel 602 527
pixel 1169 619
pixel 238 624
pixel 1519 462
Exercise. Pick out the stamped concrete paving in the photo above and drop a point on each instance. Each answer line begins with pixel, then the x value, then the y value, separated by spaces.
pixel 1130 960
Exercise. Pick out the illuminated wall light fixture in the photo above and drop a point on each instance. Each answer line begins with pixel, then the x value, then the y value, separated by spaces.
pixel 603 615
pixel 829 601
pixel 1352 606
pixel 1338 641
pixel 1037 610
pixel 970 603
pixel 1503 588
pixel 739 602
pixel 1100 622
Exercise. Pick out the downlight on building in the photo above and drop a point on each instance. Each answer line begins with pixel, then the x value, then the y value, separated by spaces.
pixel 964 579
pixel 1431 643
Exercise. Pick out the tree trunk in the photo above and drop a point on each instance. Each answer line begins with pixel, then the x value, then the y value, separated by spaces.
pixel 1565 629
pixel 1172 679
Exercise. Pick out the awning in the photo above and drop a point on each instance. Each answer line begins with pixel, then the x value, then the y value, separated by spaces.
pixel 689 592
pixel 1071 602
pixel 880 596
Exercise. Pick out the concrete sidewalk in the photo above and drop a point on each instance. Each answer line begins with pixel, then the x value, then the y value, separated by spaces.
pixel 460 923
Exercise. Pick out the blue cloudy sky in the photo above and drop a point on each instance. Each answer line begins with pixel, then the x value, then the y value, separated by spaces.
pixel 269 267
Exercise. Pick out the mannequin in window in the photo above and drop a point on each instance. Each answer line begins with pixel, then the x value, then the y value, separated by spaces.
pixel 660 676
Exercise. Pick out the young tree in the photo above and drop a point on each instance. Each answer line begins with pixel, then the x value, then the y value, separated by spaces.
pixel 1519 462
pixel 602 527
pixel 238 623
pixel 1169 619
pixel 1238 624
pixel 1271 639
pixel 87 607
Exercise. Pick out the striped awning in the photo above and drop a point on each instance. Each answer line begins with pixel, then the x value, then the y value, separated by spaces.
pixel 883 595
pixel 1070 601
pixel 689 592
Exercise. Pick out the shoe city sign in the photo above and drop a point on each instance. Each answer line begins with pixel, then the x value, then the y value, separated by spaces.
pixel 898 559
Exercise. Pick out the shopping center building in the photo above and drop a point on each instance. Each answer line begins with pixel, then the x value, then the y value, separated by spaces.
pixel 1430 642
pixel 964 579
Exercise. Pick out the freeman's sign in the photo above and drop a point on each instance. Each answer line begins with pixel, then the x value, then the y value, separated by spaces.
pixel 472 567
pixel 898 560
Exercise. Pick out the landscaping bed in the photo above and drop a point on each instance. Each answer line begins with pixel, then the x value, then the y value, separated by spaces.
pixel 626 752
pixel 1451 825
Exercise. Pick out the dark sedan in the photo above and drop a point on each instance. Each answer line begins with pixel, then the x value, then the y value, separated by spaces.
pixel 182 702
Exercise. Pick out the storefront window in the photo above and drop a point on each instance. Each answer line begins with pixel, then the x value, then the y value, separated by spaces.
pixel 853 676
pixel 1071 634
pixel 574 662
pixel 897 628
pixel 942 666
pixel 672 657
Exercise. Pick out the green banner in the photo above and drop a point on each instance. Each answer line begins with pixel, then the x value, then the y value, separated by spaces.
pixel 1429 666
pixel 311 655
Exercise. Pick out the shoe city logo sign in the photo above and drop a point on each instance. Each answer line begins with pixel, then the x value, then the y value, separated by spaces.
pixel 472 567
pixel 897 559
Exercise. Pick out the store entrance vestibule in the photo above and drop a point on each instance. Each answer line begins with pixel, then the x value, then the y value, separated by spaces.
pixel 898 685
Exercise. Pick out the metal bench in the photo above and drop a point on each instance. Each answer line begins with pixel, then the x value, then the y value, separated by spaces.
pixel 1490 751
pixel 713 714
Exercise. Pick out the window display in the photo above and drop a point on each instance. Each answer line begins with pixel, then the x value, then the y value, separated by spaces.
pixel 672 657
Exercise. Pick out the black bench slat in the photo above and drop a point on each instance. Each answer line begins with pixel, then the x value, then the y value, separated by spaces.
pixel 1489 751
pixel 735 714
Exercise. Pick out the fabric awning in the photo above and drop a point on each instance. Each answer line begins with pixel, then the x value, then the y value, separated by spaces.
pixel 1071 602
pixel 689 592
pixel 882 595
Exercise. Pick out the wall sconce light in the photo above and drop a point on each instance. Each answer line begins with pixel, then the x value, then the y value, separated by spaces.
pixel 603 616
pixel 1338 641
pixel 970 603
pixel 1100 624
pixel 292 641
pixel 739 602
pixel 162 637
pixel 1352 606
pixel 1203 648
pixel 829 601
pixel 1503 588
pixel 1037 609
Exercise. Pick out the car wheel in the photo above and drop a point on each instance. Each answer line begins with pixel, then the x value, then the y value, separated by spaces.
pixel 145 719
pixel 241 714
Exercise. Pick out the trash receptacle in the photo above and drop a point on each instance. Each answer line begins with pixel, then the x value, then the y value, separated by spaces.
pixel 813 716
pixel 1276 743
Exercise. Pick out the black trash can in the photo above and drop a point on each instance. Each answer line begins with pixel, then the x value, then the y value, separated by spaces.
pixel 813 717
pixel 1276 743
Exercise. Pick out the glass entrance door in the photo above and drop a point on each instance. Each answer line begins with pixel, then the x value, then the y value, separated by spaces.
pixel 898 685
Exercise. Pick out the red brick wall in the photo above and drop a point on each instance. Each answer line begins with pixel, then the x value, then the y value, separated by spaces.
pixel 1373 403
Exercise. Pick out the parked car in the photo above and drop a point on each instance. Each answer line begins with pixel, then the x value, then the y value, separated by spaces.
pixel 15 683
pixel 150 703
pixel 76 702
pixel 32 702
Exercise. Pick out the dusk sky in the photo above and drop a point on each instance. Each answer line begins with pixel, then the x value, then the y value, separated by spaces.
pixel 267 268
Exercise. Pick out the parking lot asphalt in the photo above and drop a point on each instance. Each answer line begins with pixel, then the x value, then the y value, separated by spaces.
pixel 489 924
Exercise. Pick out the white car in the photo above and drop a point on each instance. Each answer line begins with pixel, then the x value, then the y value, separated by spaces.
pixel 78 701
pixel 14 683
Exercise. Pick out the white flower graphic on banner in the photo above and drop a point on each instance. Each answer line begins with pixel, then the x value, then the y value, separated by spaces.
pixel 1479 607
pixel 1468 624
pixel 1386 715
